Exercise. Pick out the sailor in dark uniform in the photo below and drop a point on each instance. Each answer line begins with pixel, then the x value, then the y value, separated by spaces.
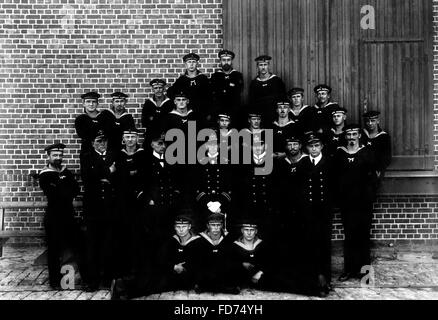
pixel 335 137
pixel 256 193
pixel 180 118
pixel 60 187
pixel 91 121
pixel 282 127
pixel 286 185
pixel 175 266
pixel 227 86
pixel 300 113
pixel 323 109
pixel 378 140
pixel 250 256
pixel 160 194
pixel 117 120
pixel 182 113
pixel 130 175
pixel 98 175
pixel 178 259
pixel 155 109
pixel 215 262
pixel 356 181
pixel 196 85
pixel 265 90
pixel 315 186
pixel 214 179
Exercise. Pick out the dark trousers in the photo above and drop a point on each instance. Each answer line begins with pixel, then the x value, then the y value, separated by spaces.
pixel 357 225
pixel 62 237
pixel 99 250
pixel 316 228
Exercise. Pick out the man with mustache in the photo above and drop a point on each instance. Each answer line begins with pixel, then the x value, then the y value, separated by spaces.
pixel 60 187
pixel 227 86
pixel 356 179
pixel 282 127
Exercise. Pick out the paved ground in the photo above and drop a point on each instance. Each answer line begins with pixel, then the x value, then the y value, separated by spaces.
pixel 398 275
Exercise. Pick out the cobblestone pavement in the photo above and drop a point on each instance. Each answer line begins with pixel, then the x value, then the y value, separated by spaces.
pixel 398 275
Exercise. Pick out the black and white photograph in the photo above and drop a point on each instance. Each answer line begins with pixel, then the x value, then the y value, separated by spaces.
pixel 235 152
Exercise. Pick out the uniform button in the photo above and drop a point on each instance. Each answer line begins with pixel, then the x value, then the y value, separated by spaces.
pixel 310 180
pixel 310 199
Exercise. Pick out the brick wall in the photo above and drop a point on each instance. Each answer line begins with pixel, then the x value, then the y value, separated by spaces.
pixel 53 50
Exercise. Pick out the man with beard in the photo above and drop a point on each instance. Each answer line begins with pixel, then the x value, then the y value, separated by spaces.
pixel 282 127
pixel 335 137
pixel 62 233
pixel 266 89
pixel 286 186
pixel 227 85
pixel 300 113
pixel 98 175
pixel 155 110
pixel 378 140
pixel 322 117
pixel 117 121
pixel 356 180
pixel 196 86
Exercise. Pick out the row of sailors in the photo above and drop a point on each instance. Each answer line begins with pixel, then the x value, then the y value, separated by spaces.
pixel 328 121
pixel 135 193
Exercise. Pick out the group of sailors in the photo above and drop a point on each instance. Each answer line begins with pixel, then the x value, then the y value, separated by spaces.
pixel 150 226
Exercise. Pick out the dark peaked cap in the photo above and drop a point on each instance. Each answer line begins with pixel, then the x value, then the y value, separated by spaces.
pixel 119 95
pixel 226 53
pixel 55 147
pixel 191 56
pixel 263 58
pixel 90 95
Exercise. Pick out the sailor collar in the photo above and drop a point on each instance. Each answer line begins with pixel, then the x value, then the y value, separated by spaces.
pixel 258 159
pixel 100 154
pixel 153 101
pixel 272 76
pixel 299 111
pixel 138 149
pixel 206 237
pixel 48 169
pixel 120 116
pixel 328 104
pixel 290 162
pixel 348 152
pixel 181 115
pixel 243 246
pixel 187 75
pixel 222 71
pixel 381 132
pixel 192 238
pixel 286 124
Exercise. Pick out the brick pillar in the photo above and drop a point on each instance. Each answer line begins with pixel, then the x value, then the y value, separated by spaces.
pixel 435 80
